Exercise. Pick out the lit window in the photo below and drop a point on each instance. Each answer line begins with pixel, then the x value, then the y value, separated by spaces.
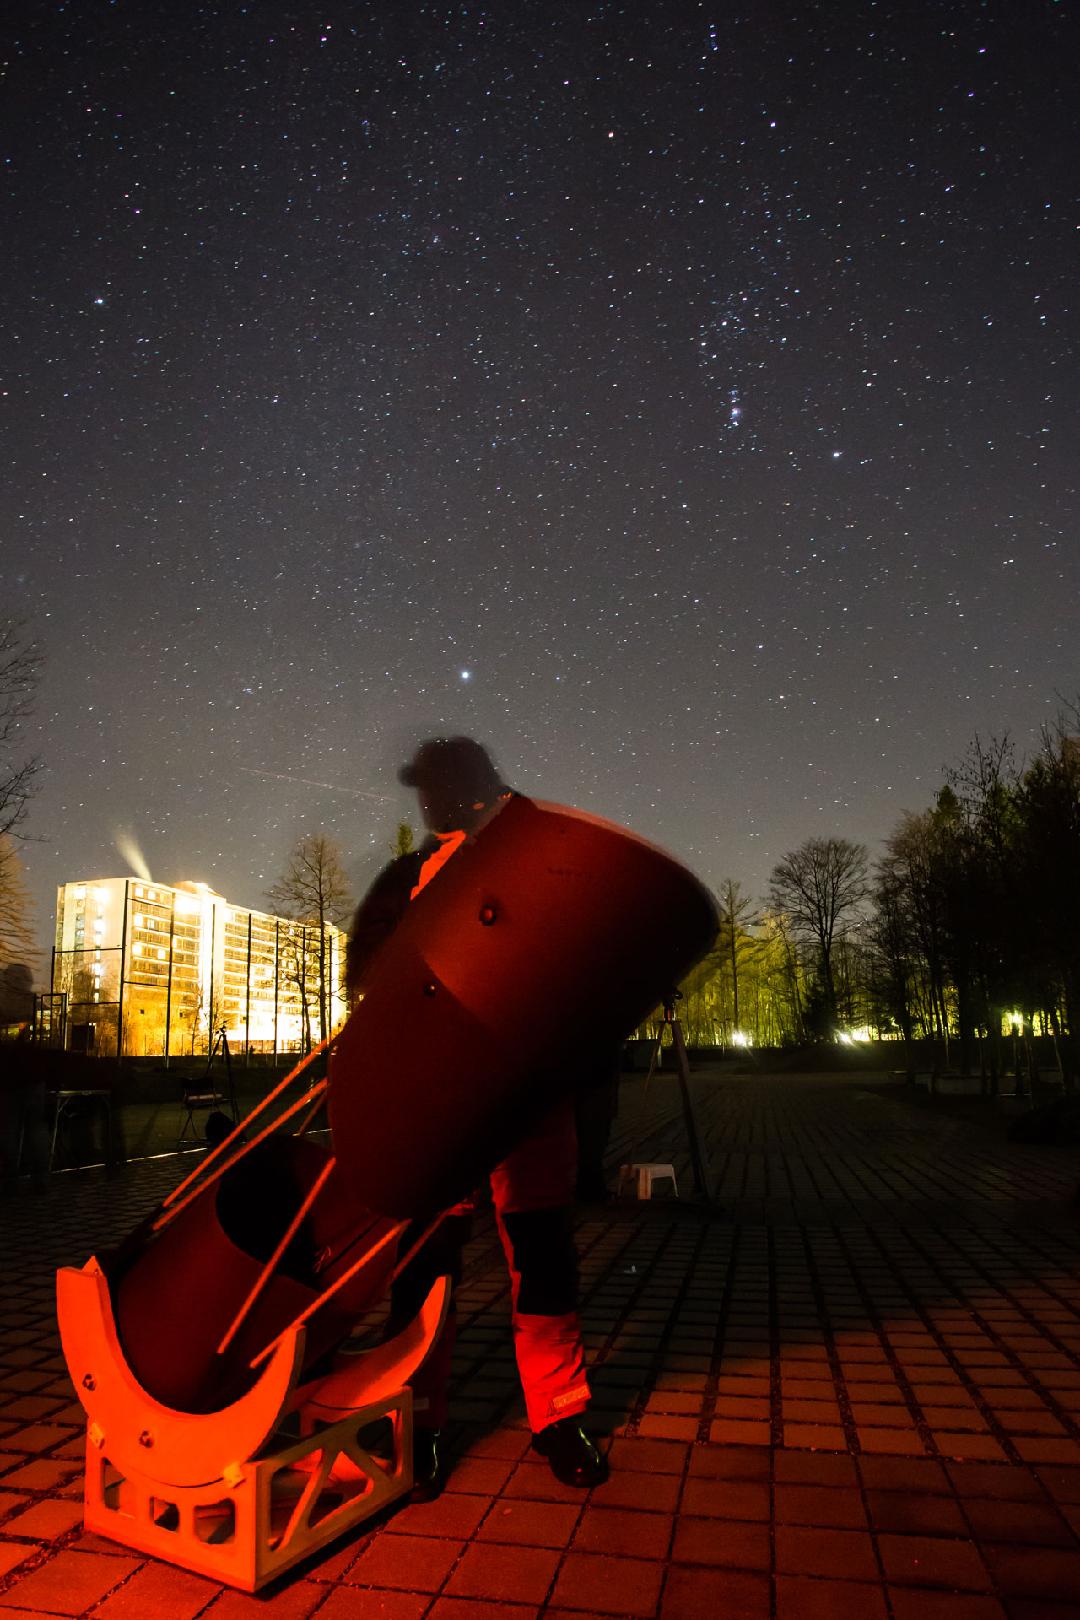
pixel 138 891
pixel 150 894
pixel 136 950
pixel 161 956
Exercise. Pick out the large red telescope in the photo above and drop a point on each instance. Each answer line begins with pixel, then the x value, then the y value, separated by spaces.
pixel 549 929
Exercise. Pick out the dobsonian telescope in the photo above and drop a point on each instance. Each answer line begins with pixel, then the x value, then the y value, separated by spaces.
pixel 227 1412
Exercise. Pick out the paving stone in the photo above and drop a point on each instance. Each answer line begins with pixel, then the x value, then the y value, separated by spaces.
pixel 668 1428
pixel 625 1586
pixel 534 1481
pixel 835 1508
pixel 628 1534
pixel 452 1608
pixel 530 1524
pixel 1009 1484
pixel 818 1468
pixel 1036 1572
pixel 922 1604
pixel 653 1493
pixel 504 1574
pixel 736 1544
pixel 295 1601
pixel 648 1456
pixel 696 1593
pixel 799 1598
pixel 740 1463
pixel 349 1603
pixel 814 1436
pixel 479 1476
pixel 45 1520
pixel 930 1561
pixel 841 1554
pixel 894 1442
pixel 13 1553
pixel 414 1563
pixel 69 1583
pixel 909 1513
pixel 725 1499
pixel 161 1591
pixel 1029 1523
pixel 453 1516
pixel 1062 1483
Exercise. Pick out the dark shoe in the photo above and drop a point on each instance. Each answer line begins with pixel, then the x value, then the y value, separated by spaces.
pixel 571 1455
pixel 428 1476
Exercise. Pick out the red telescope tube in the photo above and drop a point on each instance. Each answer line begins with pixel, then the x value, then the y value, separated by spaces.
pixel 548 932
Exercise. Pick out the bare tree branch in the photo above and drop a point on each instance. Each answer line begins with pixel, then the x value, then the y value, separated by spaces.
pixel 818 887
pixel 20 669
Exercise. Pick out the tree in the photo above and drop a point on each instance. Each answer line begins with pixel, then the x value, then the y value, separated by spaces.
pixel 1049 805
pixel 17 942
pixel 404 841
pixel 736 920
pixel 314 890
pixel 915 902
pixel 20 667
pixel 819 887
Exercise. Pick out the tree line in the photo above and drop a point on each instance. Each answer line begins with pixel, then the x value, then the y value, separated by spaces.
pixel 968 924
pixel 965 932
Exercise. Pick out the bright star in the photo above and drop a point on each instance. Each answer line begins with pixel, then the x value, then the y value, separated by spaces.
pixel 466 674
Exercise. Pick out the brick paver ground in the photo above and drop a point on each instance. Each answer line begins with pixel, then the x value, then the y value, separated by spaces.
pixel 854 1391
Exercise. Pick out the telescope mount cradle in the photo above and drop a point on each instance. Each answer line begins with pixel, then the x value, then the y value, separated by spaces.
pixel 234 1495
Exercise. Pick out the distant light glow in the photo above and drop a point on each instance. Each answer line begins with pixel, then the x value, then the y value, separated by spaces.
pixel 466 674
pixel 127 847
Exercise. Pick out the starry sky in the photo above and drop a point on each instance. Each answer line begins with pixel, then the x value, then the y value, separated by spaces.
pixel 680 398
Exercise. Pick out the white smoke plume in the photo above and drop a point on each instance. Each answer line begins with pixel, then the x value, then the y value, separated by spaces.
pixel 130 851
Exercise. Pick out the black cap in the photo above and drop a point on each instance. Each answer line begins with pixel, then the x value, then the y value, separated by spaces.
pixel 457 760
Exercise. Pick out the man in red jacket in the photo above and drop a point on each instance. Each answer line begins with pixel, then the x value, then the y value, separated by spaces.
pixel 532 1189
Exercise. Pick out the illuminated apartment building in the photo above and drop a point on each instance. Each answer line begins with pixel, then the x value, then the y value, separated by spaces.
pixel 153 971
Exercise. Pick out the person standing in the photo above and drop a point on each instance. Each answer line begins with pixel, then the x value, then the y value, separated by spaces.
pixel 459 788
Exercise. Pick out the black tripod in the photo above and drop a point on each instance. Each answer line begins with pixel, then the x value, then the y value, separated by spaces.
pixel 699 1157
pixel 221 1045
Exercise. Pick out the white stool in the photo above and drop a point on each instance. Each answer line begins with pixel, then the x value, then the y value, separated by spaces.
pixel 642 1177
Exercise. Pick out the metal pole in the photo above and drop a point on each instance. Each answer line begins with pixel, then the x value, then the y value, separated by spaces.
pixel 123 958
pixel 277 964
pixel 168 985
pixel 698 1155
pixel 305 1017
pixel 247 1004
pixel 210 1017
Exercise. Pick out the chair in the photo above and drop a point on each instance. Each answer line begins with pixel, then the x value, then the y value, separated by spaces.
pixel 643 1177
pixel 202 1098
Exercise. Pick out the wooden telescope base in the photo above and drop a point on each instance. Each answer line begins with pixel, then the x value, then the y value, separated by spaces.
pixel 243 1494
pixel 270 1513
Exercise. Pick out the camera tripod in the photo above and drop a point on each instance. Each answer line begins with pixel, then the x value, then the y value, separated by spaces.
pixel 220 1045
pixel 699 1158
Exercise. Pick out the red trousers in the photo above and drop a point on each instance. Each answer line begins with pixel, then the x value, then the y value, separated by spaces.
pixel 532 1190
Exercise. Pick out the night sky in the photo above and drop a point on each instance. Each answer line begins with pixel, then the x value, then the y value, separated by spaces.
pixel 682 399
